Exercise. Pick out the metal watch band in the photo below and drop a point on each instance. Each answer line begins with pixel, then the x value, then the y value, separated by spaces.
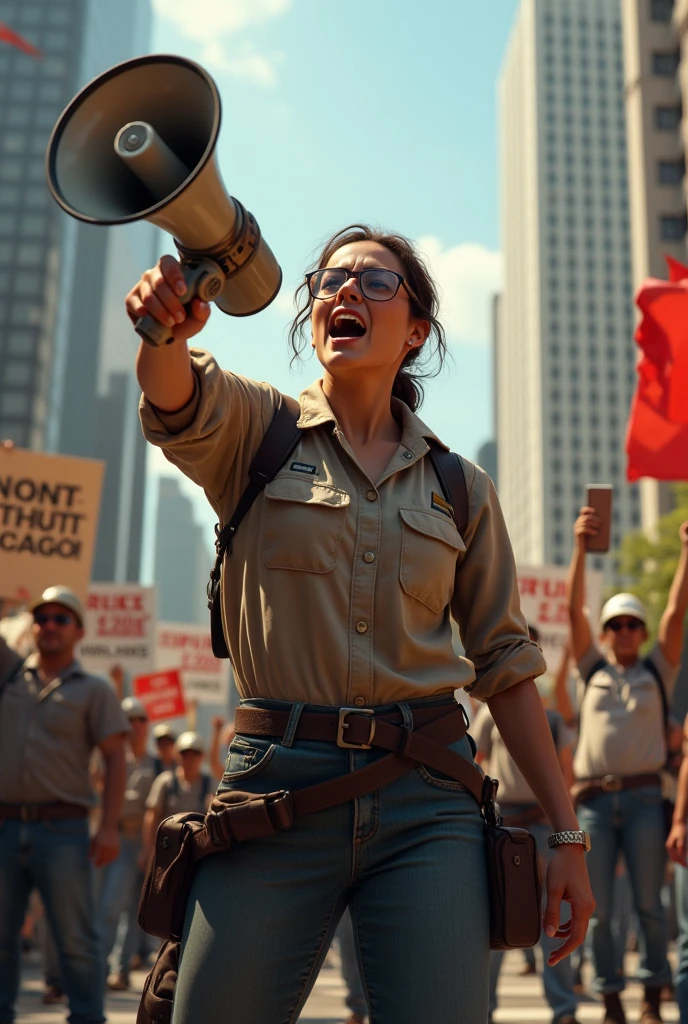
pixel 567 838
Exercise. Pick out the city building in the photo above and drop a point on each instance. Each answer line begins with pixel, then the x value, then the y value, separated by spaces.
pixel 64 335
pixel 565 349
pixel 655 77
pixel 183 557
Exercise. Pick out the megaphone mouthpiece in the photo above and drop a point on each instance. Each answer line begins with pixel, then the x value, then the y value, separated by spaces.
pixel 151 159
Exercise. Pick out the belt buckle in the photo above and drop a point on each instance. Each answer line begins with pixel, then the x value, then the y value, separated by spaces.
pixel 611 784
pixel 28 813
pixel 342 724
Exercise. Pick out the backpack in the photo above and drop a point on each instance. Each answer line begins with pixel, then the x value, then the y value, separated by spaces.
pixel 280 440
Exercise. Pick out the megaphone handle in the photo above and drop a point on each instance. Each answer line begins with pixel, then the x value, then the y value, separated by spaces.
pixel 204 280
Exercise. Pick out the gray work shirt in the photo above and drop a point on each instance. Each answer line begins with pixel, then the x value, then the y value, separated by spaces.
pixel 621 716
pixel 513 788
pixel 168 796
pixel 47 734
pixel 141 772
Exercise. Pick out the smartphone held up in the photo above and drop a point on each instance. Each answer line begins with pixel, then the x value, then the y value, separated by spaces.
pixel 599 498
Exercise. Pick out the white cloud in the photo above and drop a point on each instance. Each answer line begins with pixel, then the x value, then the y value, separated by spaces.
pixel 468 276
pixel 212 25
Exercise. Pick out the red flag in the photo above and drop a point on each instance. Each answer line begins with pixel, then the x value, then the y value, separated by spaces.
pixel 8 35
pixel 657 438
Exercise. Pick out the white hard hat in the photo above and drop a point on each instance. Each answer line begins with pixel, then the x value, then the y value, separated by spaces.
pixel 64 596
pixel 623 604
pixel 189 741
pixel 134 708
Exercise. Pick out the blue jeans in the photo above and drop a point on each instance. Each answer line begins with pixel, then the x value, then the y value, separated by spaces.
pixel 116 882
pixel 632 823
pixel 558 980
pixel 681 884
pixel 409 862
pixel 53 857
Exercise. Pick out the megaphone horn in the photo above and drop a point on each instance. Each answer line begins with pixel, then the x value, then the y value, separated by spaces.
pixel 138 143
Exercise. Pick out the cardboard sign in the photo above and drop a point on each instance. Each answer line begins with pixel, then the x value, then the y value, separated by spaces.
pixel 543 602
pixel 48 520
pixel 188 648
pixel 162 694
pixel 120 628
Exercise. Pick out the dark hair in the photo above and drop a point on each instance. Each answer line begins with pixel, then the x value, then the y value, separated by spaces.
pixel 408 381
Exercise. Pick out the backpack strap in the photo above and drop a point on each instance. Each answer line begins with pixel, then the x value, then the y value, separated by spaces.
pixel 654 672
pixel 600 663
pixel 205 787
pixel 449 470
pixel 280 440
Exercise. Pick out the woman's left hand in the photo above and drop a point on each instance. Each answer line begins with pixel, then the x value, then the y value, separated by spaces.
pixel 567 881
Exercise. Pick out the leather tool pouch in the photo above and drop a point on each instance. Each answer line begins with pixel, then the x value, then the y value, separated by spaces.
pixel 158 992
pixel 513 874
pixel 168 879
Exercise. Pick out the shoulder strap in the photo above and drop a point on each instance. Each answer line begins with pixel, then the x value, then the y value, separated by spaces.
pixel 654 672
pixel 280 440
pixel 452 480
pixel 595 668
pixel 205 786
pixel 174 788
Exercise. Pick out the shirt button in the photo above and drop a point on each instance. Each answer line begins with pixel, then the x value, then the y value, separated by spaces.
pixel 362 627
pixel 408 455
pixel 371 495
pixel 369 556
pixel 359 702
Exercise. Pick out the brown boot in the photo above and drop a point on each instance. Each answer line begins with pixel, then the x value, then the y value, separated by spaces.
pixel 613 1010
pixel 650 1008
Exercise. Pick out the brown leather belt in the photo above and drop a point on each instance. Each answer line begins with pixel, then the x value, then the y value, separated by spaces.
pixel 355 728
pixel 41 812
pixel 586 789
pixel 520 816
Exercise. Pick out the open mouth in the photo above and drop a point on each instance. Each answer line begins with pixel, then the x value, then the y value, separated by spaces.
pixel 346 325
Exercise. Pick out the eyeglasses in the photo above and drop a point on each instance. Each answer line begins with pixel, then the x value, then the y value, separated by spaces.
pixel 375 283
pixel 59 618
pixel 616 625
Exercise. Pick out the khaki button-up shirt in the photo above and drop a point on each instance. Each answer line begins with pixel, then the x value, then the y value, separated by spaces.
pixel 339 588
pixel 47 734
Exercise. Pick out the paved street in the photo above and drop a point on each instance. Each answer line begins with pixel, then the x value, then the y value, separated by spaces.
pixel 520 1001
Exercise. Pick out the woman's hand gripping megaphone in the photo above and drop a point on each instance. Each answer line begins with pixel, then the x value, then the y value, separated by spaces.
pixel 159 294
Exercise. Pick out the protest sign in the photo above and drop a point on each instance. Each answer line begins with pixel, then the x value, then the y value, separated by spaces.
pixel 120 628
pixel 48 521
pixel 162 694
pixel 188 648
pixel 543 601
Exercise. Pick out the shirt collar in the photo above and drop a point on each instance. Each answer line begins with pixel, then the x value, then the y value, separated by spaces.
pixel 316 412
pixel 73 669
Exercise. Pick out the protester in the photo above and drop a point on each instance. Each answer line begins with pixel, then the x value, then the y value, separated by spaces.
pixel 184 788
pixel 165 738
pixel 336 605
pixel 120 881
pixel 222 735
pixel 519 808
pixel 620 754
pixel 52 715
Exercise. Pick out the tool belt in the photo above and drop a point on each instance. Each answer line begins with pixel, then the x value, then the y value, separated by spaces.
pixel 234 817
pixel 519 816
pixel 41 812
pixel 587 789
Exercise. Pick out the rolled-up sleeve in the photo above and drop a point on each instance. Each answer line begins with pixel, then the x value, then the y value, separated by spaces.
pixel 486 602
pixel 213 438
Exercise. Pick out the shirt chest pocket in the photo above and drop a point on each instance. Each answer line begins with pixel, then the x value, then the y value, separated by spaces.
pixel 61 716
pixel 430 547
pixel 304 521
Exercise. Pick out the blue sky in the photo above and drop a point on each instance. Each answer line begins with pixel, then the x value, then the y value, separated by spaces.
pixel 381 111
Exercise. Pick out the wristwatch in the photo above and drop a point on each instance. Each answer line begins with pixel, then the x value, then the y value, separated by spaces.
pixel 567 838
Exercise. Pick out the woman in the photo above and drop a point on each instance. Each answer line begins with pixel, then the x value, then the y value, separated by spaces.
pixel 338 593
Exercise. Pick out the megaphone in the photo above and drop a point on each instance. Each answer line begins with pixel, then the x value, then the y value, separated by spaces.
pixel 138 143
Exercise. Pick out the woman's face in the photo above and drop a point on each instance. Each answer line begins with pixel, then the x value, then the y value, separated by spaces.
pixel 379 340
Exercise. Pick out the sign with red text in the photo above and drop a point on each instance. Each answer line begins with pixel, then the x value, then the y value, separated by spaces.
pixel 120 628
pixel 48 521
pixel 162 694
pixel 188 648
pixel 543 602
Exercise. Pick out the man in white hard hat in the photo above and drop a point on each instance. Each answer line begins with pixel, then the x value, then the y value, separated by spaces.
pixel 165 738
pixel 53 715
pixel 184 788
pixel 118 880
pixel 624 701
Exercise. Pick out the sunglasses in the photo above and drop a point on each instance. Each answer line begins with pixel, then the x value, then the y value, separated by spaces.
pixel 616 625
pixel 59 618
